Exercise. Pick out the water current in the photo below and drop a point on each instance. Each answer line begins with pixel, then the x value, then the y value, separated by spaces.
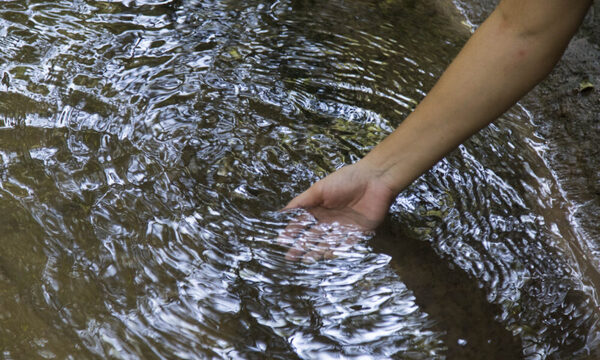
pixel 146 146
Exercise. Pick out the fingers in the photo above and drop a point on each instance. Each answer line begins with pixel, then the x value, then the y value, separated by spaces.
pixel 296 226
pixel 314 236
pixel 305 243
pixel 353 237
pixel 308 199
pixel 321 241
pixel 322 251
pixel 337 240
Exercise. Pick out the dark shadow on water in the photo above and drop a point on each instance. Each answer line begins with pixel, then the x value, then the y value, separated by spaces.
pixel 452 299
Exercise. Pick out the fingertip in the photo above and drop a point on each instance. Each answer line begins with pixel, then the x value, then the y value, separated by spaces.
pixel 284 240
pixel 294 204
pixel 289 206
pixel 352 239
pixel 311 257
pixel 328 255
pixel 294 228
pixel 294 254
pixel 305 200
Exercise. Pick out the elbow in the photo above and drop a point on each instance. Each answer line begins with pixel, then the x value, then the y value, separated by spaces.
pixel 514 23
pixel 558 19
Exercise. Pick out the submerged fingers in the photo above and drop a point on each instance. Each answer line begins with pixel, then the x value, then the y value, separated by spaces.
pixel 324 249
pixel 309 240
pixel 295 228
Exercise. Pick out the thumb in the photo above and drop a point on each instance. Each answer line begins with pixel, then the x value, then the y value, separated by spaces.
pixel 308 199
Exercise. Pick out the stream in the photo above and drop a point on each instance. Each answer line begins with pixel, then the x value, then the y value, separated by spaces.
pixel 146 147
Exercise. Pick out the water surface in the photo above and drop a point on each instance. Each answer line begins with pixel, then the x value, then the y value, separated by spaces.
pixel 146 147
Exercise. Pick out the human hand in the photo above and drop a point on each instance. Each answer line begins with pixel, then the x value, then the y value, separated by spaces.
pixel 340 209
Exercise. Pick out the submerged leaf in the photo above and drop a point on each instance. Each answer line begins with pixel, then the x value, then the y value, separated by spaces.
pixel 235 54
pixel 585 86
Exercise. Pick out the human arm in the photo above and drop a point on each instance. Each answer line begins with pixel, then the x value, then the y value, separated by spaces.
pixel 514 49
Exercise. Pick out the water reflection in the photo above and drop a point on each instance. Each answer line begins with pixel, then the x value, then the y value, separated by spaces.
pixel 146 146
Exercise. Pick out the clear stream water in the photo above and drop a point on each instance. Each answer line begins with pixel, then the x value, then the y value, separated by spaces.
pixel 146 146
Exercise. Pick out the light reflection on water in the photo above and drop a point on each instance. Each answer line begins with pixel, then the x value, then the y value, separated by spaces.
pixel 147 145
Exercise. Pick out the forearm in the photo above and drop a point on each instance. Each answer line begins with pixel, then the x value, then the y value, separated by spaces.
pixel 507 56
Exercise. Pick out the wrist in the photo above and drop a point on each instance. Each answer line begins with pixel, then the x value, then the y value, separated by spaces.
pixel 391 163
pixel 382 171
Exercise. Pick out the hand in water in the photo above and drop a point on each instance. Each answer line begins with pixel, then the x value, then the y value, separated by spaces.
pixel 342 208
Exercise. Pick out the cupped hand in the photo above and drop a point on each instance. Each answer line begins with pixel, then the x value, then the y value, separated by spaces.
pixel 340 210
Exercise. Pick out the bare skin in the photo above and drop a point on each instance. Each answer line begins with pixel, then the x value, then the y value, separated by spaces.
pixel 512 51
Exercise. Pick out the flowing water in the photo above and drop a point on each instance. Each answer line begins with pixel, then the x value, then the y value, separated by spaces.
pixel 147 145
